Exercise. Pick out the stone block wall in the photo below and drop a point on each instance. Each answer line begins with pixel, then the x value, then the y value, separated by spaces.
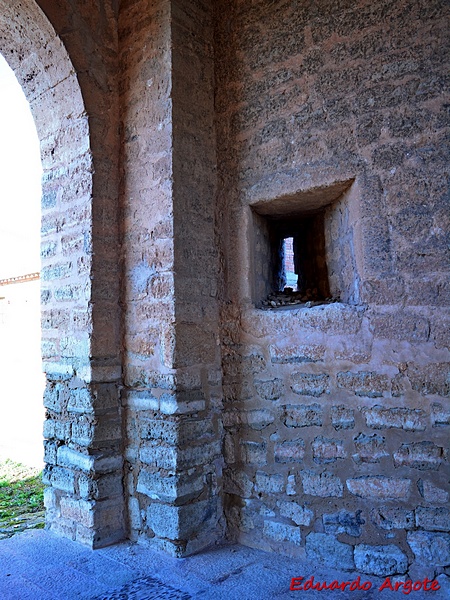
pixel 330 411
pixel 172 134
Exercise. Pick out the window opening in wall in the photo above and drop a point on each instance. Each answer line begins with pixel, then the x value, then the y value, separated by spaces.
pixel 291 276
pixel 299 249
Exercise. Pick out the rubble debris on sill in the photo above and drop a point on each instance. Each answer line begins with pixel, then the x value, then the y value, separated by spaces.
pixel 288 298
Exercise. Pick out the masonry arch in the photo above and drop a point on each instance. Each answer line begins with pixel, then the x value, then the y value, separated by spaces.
pixel 43 68
pixel 82 429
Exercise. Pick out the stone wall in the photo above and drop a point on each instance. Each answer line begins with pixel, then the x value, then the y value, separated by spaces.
pixel 178 411
pixel 336 416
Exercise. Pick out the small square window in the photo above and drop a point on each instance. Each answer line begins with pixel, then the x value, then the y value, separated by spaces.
pixel 297 248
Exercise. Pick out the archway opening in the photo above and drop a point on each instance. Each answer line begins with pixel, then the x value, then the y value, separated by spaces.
pixel 21 378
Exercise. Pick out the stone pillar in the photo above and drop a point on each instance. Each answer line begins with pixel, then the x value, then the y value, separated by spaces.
pixel 197 268
pixel 172 368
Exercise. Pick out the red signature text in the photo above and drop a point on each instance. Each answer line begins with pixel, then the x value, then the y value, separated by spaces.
pixel 406 587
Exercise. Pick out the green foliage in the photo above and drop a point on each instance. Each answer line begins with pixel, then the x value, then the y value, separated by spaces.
pixel 21 495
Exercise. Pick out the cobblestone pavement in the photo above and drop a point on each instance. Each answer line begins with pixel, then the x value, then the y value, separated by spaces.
pixel 145 588
pixel 38 565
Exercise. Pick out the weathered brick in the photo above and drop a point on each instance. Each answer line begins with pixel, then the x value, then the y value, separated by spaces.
pixel 433 519
pixel 80 511
pixel 327 450
pixel 58 271
pixel 324 549
pixel 50 449
pixel 104 487
pixel 385 245
pixel 68 457
pixel 158 429
pixel 323 484
pixel 370 448
pixel 83 432
pixel 389 518
pixel 409 419
pixel 380 560
pixel 380 488
pixel 364 383
pixel 303 415
pixel 244 365
pixel 310 384
pixel 81 400
pixel 193 430
pixel 192 456
pixel 58 430
pixel 67 292
pixel 424 456
pixel 56 396
pixel 342 417
pixel 49 199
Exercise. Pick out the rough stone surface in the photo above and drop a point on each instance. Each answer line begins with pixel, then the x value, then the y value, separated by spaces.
pixel 425 456
pixel 401 418
pixel 380 560
pixel 380 488
pixel 389 518
pixel 326 550
pixel 370 448
pixel 299 514
pixel 432 493
pixel 279 532
pixel 303 415
pixel 343 522
pixel 430 548
pixel 321 484
pixel 181 142
pixel 433 519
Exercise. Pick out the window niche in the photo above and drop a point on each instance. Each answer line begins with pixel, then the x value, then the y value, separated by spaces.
pixel 303 250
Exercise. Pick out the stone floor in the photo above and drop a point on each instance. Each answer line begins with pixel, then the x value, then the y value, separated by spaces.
pixel 37 565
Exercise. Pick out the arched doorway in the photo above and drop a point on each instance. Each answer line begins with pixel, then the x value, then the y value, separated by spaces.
pixel 22 380
pixel 79 269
